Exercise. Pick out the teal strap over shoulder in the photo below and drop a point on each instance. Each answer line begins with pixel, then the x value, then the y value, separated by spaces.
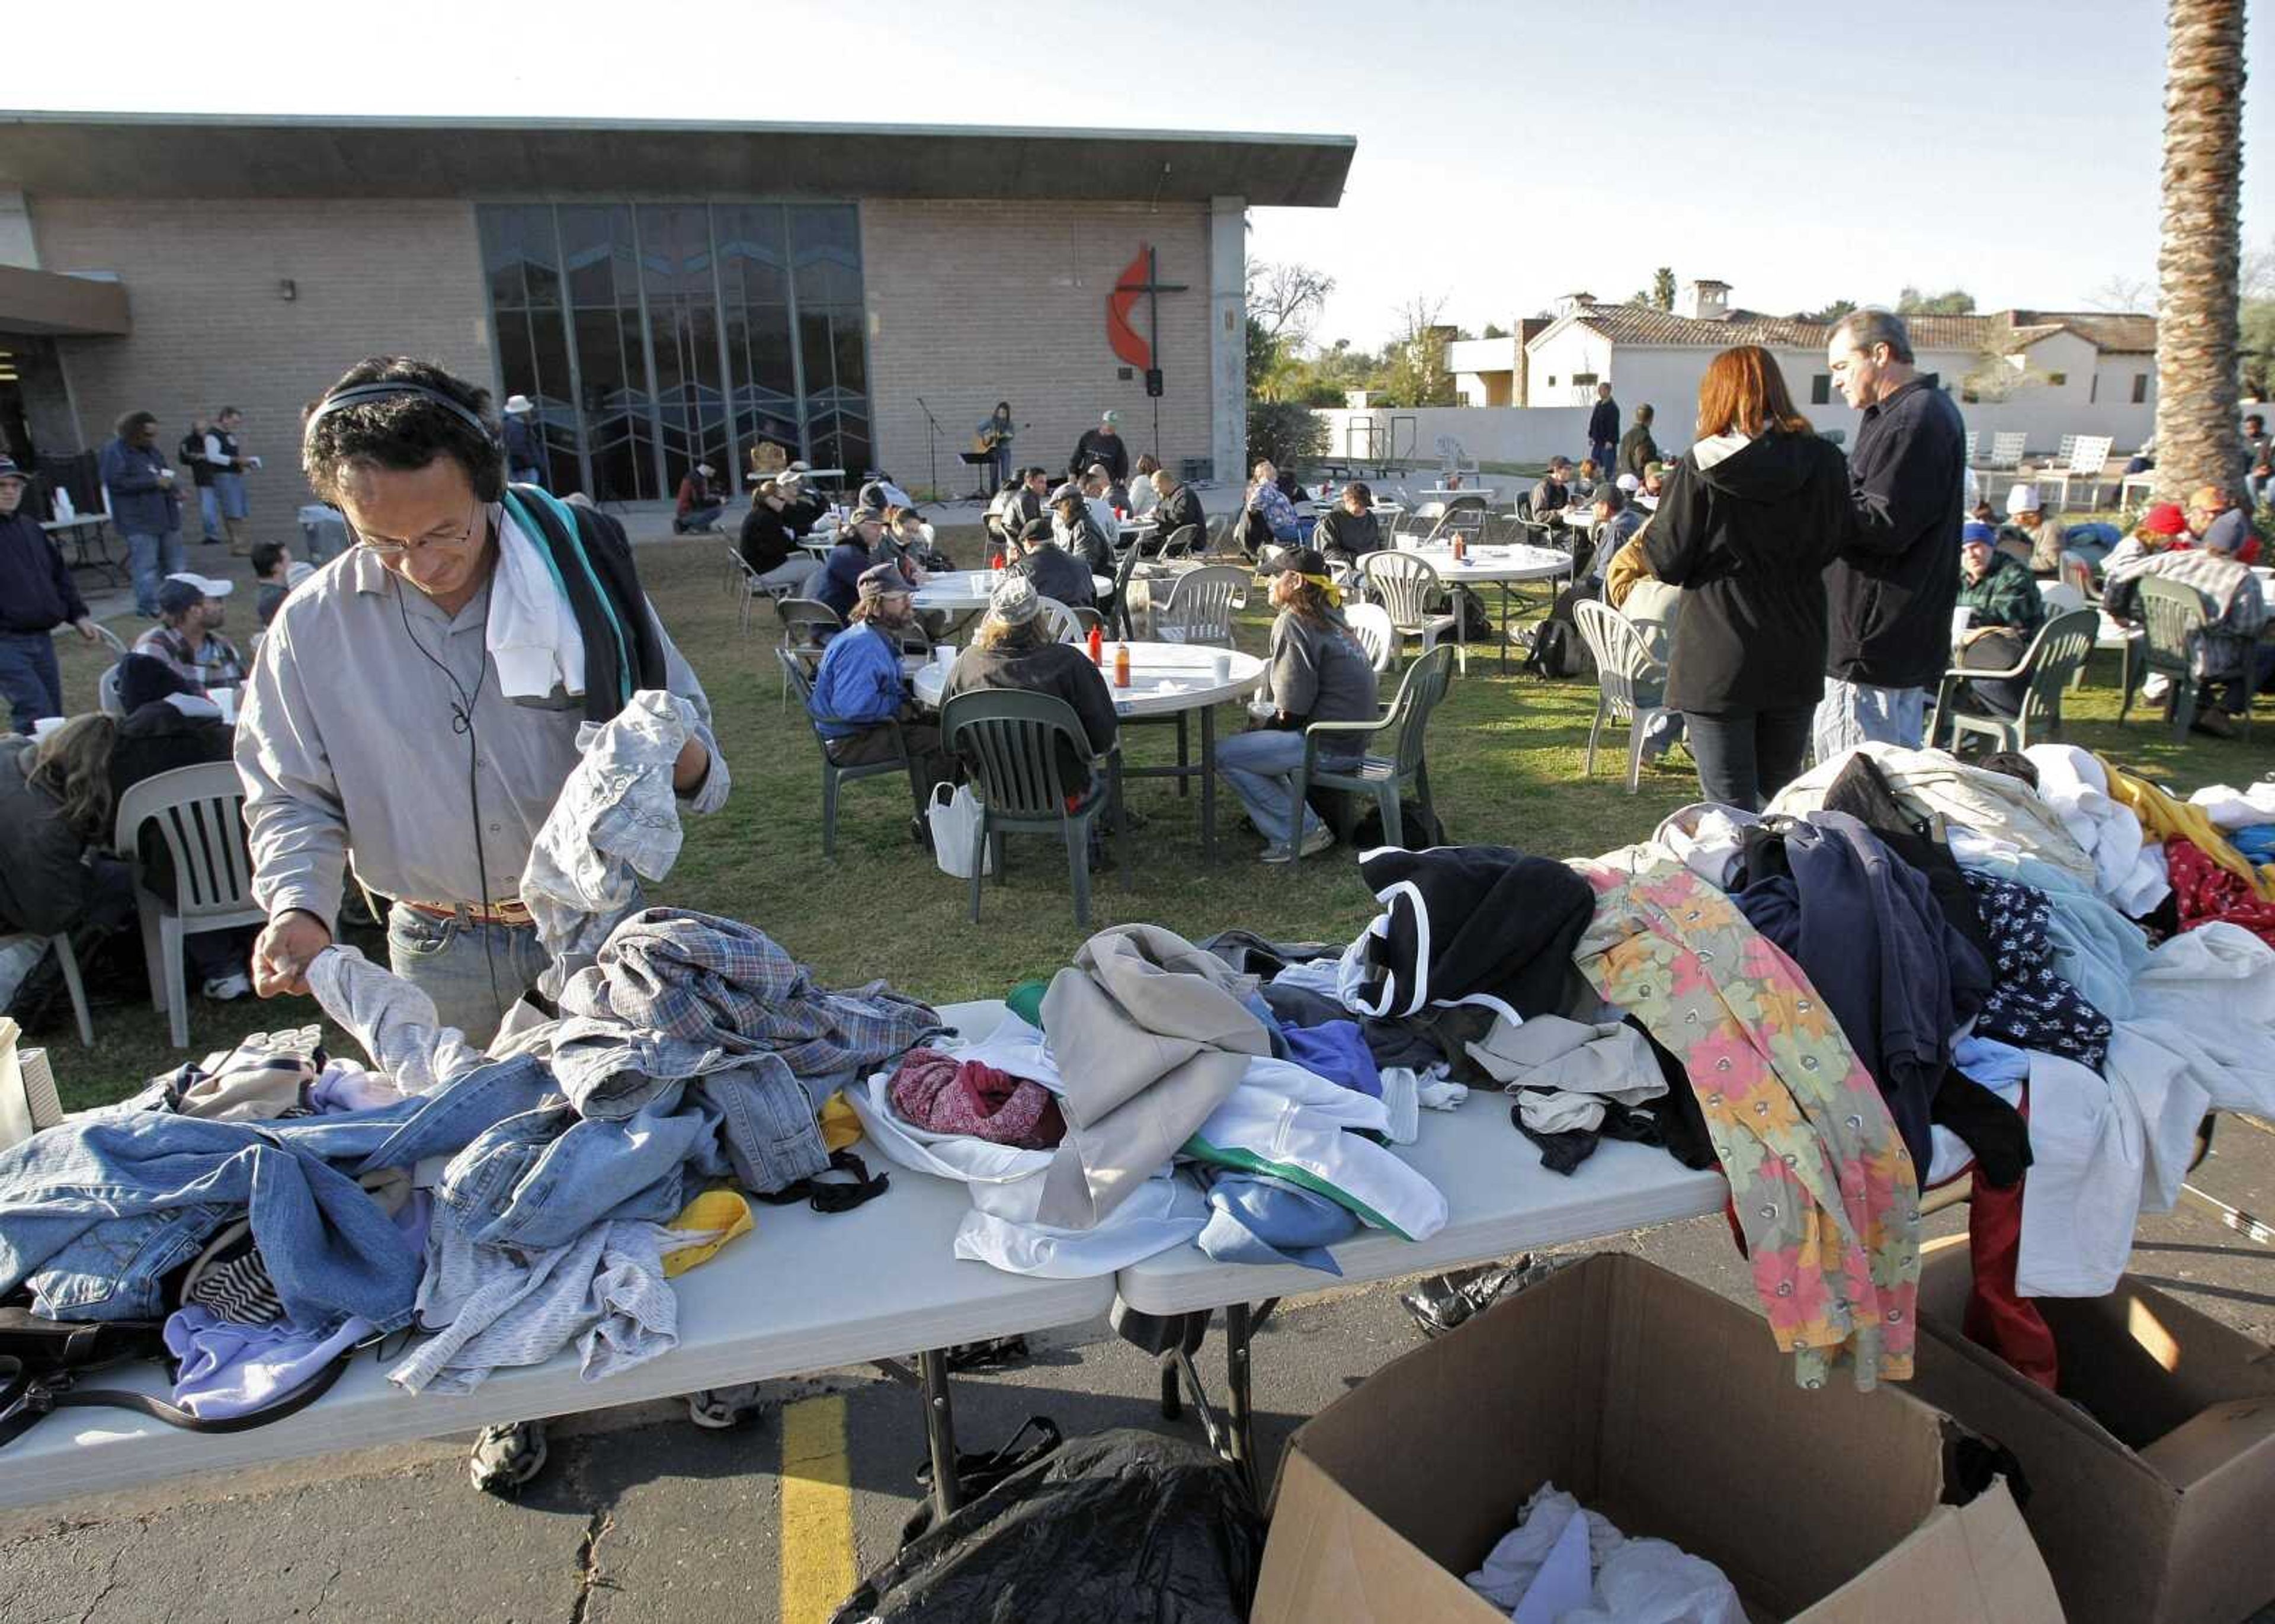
pixel 565 516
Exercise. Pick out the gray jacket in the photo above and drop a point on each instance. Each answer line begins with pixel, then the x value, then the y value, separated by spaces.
pixel 1320 673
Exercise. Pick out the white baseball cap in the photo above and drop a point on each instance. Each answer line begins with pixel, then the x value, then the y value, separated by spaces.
pixel 205 584
pixel 1109 417
pixel 2022 499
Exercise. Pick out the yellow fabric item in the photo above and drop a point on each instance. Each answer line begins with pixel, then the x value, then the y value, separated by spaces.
pixel 711 1220
pixel 1328 589
pixel 840 1128
pixel 1627 566
pixel 2163 817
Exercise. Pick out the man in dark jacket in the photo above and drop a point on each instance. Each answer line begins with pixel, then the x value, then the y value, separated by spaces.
pixel 36 596
pixel 1055 572
pixel 1604 429
pixel 1638 448
pixel 144 506
pixel 1893 582
pixel 1178 508
pixel 1103 444
pixel 839 585
pixel 768 545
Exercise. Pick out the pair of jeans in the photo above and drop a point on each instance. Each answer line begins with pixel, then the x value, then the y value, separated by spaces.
pixel 2232 694
pixel 151 556
pixel 30 678
pixel 1746 756
pixel 928 763
pixel 474 972
pixel 1261 767
pixel 1854 714
pixel 230 486
pixel 698 519
pixel 210 511
pixel 1605 455
pixel 96 1213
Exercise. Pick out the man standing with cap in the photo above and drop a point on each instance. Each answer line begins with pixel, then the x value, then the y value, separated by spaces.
pixel 36 595
pixel 144 506
pixel 1102 444
pixel 858 692
pixel 188 636
pixel 525 454
pixel 377 728
pixel 1893 583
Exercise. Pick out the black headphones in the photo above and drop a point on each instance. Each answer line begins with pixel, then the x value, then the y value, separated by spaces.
pixel 363 394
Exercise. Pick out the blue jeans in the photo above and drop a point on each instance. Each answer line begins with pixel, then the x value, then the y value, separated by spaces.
pixel 1854 714
pixel 209 511
pixel 229 485
pixel 30 678
pixel 1746 756
pixel 456 965
pixel 1260 766
pixel 152 557
pixel 1604 454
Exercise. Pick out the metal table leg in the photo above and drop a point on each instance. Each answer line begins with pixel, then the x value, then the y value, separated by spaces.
pixel 1240 1324
pixel 940 1433
pixel 1208 783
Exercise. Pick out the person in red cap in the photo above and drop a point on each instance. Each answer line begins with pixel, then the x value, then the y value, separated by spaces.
pixel 2162 528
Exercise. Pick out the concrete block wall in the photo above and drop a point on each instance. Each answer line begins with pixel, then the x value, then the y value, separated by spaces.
pixel 211 325
pixel 969 303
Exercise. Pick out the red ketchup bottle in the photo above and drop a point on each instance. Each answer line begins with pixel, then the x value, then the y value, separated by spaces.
pixel 1097 647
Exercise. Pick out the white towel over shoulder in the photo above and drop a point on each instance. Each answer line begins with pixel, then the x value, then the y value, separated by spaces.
pixel 532 636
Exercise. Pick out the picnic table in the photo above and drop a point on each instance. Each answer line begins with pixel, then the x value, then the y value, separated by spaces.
pixel 88 531
pixel 802 1292
pixel 961 591
pixel 1167 680
pixel 1504 566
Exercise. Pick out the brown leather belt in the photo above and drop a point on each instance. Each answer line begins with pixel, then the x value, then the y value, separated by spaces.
pixel 512 913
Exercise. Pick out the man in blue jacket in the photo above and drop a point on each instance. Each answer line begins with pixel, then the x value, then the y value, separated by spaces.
pixel 36 596
pixel 144 506
pixel 1604 430
pixel 858 692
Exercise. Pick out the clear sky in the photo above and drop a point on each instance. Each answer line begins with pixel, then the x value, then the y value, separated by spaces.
pixel 1801 150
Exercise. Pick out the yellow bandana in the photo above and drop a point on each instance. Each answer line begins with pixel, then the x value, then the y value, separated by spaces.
pixel 1334 593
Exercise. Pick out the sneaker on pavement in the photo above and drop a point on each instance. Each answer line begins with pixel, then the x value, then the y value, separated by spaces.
pixel 506 1459
pixel 225 989
pixel 721 1407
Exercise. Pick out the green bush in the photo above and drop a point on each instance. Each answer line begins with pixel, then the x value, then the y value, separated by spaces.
pixel 1285 433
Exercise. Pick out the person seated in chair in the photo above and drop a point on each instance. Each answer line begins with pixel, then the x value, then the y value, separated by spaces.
pixel 1654 485
pixel 55 810
pixel 1012 650
pixel 2220 527
pixel 1055 572
pixel 191 612
pixel 768 545
pixel 1349 531
pixel 840 583
pixel 860 689
pixel 1554 490
pixel 1074 526
pixel 1102 495
pixel 1143 492
pixel 2033 535
pixel 1178 506
pixel 2229 662
pixel 1267 517
pixel 1314 671
pixel 803 506
pixel 2003 593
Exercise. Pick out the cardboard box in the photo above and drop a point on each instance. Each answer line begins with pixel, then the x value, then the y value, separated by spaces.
pixel 1669 1410
pixel 2155 1507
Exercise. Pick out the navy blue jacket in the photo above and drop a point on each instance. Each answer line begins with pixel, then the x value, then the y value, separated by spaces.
pixel 36 592
pixel 140 505
pixel 1893 586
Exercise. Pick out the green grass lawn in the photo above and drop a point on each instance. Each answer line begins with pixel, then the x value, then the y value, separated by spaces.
pixel 1506 757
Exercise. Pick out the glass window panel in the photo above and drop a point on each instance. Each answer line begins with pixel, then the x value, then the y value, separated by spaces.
pixel 851 354
pixel 596 247
pixel 826 252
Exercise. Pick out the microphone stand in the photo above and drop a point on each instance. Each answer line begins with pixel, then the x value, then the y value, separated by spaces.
pixel 934 445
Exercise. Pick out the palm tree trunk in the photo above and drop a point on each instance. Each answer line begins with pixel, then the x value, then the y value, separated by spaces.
pixel 2199 438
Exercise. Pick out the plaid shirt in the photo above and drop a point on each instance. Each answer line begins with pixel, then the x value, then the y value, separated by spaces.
pixel 2235 610
pixel 214 662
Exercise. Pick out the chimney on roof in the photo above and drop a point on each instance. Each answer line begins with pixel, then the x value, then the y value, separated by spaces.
pixel 1704 300
pixel 1572 304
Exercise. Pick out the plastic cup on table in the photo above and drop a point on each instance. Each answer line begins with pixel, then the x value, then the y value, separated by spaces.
pixel 1224 668
pixel 944 655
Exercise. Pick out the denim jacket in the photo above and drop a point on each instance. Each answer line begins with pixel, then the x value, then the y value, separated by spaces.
pixel 95 1214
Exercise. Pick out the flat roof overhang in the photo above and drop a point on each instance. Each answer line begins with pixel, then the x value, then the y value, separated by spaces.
pixel 176 155
pixel 45 305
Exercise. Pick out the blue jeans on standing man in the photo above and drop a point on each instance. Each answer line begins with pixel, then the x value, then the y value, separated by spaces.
pixel 30 678
pixel 454 964
pixel 152 557
pixel 209 511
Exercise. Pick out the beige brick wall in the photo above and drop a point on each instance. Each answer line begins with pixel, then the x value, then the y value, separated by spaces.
pixel 974 302
pixel 210 327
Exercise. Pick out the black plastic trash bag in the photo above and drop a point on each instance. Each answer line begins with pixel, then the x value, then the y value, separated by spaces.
pixel 1131 1526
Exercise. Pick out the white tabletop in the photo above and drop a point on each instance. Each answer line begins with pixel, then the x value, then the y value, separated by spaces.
pixel 1164 678
pixel 970 589
pixel 77 521
pixel 1502 1201
pixel 1515 563
pixel 1442 494
pixel 802 1292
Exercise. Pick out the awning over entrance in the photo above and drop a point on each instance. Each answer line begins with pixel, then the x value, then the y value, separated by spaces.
pixel 46 305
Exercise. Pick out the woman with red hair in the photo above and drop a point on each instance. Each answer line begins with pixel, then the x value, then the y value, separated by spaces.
pixel 1748 520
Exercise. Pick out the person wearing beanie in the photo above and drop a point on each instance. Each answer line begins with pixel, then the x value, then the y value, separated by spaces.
pixel 1055 572
pixel 1313 671
pixel 839 584
pixel 861 706
pixel 1012 649
pixel 2007 611
pixel 187 636
pixel 2032 534
pixel 2230 664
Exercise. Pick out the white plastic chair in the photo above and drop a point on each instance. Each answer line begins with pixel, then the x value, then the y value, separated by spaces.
pixel 1410 590
pixel 1370 623
pixel 200 811
pixel 1198 608
pixel 2083 457
pixel 2060 598
pixel 1629 682
pixel 67 961
pixel 1062 622
pixel 106 693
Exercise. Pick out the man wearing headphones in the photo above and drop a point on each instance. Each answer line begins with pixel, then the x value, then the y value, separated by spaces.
pixel 376 728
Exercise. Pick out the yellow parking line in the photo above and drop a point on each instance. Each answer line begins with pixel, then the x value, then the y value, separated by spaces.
pixel 817 1511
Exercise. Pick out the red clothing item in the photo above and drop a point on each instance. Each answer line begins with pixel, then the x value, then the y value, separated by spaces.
pixel 2204 891
pixel 2009 1325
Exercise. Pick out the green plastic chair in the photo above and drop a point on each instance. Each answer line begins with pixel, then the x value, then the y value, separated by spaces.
pixel 1007 740
pixel 832 775
pixel 2172 622
pixel 2050 665
pixel 1383 775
